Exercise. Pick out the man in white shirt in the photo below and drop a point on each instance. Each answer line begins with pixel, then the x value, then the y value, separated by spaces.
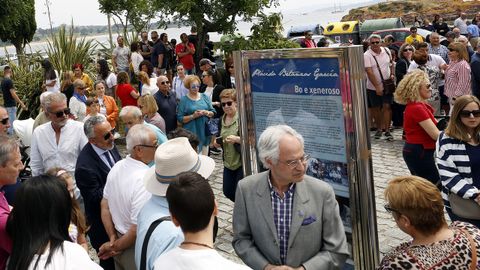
pixel 59 142
pixel 124 195
pixel 461 23
pixel 192 206
pixel 121 57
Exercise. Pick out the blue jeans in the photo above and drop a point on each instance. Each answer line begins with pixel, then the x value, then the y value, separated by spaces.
pixel 230 181
pixel 12 115
pixel 420 162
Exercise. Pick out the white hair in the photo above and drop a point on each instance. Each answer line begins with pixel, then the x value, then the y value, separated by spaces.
pixel 374 36
pixel 138 134
pixel 54 98
pixel 133 111
pixel 43 96
pixel 268 143
pixel 7 147
pixel 90 123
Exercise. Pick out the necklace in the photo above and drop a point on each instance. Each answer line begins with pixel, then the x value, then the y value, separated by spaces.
pixel 197 244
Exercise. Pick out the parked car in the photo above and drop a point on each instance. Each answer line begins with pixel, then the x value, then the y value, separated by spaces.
pixel 317 38
pixel 401 33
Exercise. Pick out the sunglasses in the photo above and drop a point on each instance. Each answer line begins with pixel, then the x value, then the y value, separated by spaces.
pixel 390 209
pixel 230 66
pixel 59 114
pixel 467 114
pixel 4 121
pixel 205 75
pixel 108 135
pixel 451 49
pixel 409 49
pixel 165 82
pixel 195 86
pixel 375 42
pixel 228 103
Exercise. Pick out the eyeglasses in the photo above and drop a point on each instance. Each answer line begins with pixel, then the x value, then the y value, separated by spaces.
pixel 228 103
pixel 467 114
pixel 374 42
pixel 414 31
pixel 195 86
pixel 294 163
pixel 408 49
pixel 390 209
pixel 108 135
pixel 4 121
pixel 148 146
pixel 164 82
pixel 61 113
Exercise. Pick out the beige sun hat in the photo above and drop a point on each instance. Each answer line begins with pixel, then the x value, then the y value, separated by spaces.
pixel 171 158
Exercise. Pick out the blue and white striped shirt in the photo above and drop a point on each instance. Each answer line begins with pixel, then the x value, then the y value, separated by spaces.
pixel 282 216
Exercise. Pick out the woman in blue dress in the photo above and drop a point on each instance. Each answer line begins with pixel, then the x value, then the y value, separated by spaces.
pixel 194 110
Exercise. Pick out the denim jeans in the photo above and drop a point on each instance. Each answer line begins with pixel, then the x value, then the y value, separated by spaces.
pixel 420 162
pixel 230 181
pixel 12 115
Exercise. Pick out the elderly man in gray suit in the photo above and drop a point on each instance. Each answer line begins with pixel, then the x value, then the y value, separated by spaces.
pixel 282 218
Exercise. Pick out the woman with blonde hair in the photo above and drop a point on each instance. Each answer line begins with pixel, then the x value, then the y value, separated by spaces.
pixel 419 125
pixel 417 207
pixel 194 110
pixel 149 108
pixel 457 74
pixel 458 156
pixel 149 85
pixel 67 85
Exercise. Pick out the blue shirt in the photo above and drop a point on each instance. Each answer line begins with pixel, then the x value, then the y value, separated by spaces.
pixel 282 216
pixel 161 138
pixel 165 237
pixel 473 30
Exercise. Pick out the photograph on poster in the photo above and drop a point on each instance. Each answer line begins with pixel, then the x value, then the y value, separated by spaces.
pixel 332 172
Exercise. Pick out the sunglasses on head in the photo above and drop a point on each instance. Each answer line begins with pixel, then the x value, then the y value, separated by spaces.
pixel 228 103
pixel 108 135
pixel 4 121
pixel 59 114
pixel 466 113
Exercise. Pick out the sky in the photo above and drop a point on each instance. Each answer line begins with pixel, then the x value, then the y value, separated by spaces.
pixel 86 12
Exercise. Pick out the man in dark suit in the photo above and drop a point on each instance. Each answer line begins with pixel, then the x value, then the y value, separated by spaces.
pixel 282 218
pixel 93 164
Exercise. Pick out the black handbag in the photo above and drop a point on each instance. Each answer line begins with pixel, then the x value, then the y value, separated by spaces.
pixel 388 84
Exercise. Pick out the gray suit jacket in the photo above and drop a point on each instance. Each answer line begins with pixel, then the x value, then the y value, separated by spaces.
pixel 318 245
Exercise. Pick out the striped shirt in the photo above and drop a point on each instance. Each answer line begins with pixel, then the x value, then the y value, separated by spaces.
pixel 282 216
pixel 457 79
pixel 454 168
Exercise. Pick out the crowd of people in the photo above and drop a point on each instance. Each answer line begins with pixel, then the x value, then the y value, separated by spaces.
pixel 154 207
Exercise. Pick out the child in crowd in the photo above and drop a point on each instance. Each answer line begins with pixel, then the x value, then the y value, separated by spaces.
pixel 78 227
pixel 93 108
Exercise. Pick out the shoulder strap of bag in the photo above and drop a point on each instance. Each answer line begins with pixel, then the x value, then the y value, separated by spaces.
pixel 473 246
pixel 143 257
pixel 378 66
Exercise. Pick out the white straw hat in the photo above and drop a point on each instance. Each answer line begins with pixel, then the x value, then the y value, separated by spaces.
pixel 172 158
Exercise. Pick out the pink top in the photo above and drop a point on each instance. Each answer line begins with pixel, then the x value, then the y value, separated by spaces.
pixel 5 241
pixel 457 79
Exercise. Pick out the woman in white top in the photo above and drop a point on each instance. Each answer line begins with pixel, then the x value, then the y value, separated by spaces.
pixel 38 226
pixel 137 58
pixel 104 74
pixel 78 102
pixel 149 85
pixel 51 78
pixel 177 85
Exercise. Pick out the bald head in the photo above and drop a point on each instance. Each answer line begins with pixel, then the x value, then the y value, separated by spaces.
pixel 163 84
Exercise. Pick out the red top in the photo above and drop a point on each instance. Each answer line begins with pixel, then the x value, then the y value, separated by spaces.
pixel 186 60
pixel 416 112
pixel 123 93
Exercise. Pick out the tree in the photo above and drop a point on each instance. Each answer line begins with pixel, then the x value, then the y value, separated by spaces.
pixel 136 13
pixel 210 16
pixel 17 23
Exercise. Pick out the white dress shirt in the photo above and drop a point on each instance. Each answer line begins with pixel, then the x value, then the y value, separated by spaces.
pixel 101 154
pixel 46 153
pixel 125 192
pixel 78 108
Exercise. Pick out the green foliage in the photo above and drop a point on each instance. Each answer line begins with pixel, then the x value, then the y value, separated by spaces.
pixel 137 13
pixel 65 49
pixel 28 80
pixel 211 16
pixel 265 35
pixel 17 22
